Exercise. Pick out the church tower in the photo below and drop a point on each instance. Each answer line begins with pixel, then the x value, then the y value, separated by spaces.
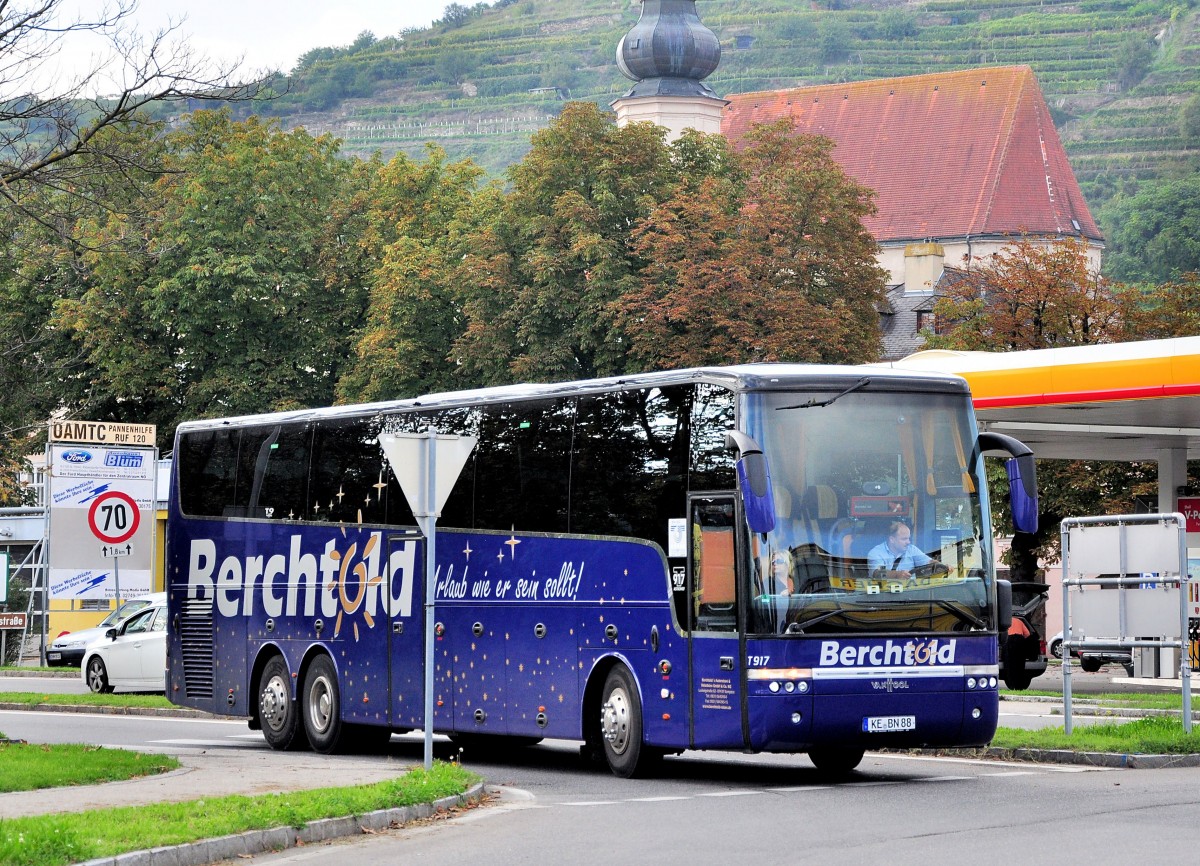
pixel 669 53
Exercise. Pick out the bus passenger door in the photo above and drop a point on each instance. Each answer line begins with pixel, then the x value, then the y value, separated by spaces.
pixel 406 640
pixel 716 664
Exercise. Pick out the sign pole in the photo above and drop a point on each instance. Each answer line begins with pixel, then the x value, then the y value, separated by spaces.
pixel 430 588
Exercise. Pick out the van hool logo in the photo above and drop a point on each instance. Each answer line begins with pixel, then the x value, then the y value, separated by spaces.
pixel 77 455
pixel 350 584
pixel 888 653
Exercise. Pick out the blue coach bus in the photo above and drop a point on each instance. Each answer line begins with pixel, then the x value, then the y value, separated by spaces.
pixel 669 561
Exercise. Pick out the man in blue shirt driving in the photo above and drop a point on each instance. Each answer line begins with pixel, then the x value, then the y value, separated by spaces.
pixel 897 557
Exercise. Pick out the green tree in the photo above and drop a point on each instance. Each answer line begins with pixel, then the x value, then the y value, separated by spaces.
pixel 539 277
pixel 414 219
pixel 1135 56
pixel 769 261
pixel 229 305
pixel 1154 233
pixel 41 266
pixel 1189 121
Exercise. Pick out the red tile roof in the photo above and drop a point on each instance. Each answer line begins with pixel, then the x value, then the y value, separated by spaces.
pixel 949 154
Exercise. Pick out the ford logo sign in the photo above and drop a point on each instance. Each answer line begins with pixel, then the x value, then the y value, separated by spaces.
pixel 77 456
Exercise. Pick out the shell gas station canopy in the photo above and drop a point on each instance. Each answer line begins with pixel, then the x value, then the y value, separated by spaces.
pixel 1116 401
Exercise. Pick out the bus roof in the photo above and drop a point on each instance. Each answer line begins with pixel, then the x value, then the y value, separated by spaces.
pixel 743 377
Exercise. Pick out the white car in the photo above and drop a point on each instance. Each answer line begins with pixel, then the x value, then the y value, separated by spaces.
pixel 68 648
pixel 131 657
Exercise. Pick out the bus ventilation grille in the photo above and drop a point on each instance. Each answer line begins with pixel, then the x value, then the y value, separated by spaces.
pixel 196 639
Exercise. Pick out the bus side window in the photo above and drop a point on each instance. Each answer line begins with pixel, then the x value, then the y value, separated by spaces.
pixel 713 564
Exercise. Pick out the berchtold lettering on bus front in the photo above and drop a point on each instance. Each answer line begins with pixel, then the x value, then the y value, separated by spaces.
pixel 888 653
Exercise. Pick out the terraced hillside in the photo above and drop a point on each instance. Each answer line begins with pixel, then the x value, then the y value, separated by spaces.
pixel 1116 74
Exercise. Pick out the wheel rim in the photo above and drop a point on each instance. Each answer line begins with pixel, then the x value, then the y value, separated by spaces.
pixel 273 703
pixel 95 675
pixel 320 704
pixel 614 721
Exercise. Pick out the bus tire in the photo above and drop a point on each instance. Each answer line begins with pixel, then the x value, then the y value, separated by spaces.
pixel 621 726
pixel 277 712
pixel 836 760
pixel 321 706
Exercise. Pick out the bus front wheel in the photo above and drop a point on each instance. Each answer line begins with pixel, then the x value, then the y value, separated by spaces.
pixel 276 710
pixel 322 706
pixel 621 726
pixel 836 760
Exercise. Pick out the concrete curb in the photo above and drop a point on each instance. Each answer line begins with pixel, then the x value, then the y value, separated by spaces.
pixel 168 712
pixel 1112 760
pixel 247 844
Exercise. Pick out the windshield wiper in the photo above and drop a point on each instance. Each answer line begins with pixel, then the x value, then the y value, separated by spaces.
pixel 811 404
pixel 798 628
pixel 960 615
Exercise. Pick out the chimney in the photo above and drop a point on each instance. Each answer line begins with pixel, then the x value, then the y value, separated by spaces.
pixel 923 267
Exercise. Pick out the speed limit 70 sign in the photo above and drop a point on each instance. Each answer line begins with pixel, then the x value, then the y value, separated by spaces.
pixel 114 517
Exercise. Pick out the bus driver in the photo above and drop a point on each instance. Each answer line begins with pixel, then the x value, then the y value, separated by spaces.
pixel 896 558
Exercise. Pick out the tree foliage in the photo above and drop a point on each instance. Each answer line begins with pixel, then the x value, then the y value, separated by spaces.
pixel 767 262
pixel 540 276
pixel 415 217
pixel 226 305
pixel 1031 296
pixel 1154 233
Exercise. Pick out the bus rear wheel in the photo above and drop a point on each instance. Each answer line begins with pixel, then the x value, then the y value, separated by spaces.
pixel 621 726
pixel 276 710
pixel 836 760
pixel 322 706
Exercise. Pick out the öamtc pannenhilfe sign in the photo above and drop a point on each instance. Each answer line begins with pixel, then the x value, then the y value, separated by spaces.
pixel 102 500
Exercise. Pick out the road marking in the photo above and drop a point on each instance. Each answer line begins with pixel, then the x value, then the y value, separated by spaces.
pixel 656 799
pixel 944 779
pixel 795 789
pixel 1013 773
pixel 595 803
pixel 729 793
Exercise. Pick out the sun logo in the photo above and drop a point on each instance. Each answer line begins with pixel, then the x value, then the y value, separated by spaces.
pixel 350 606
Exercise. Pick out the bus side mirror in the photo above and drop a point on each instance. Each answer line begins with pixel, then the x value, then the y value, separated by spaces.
pixel 1022 478
pixel 1022 493
pixel 1004 608
pixel 754 481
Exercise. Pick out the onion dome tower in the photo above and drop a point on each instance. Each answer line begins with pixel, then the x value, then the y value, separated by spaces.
pixel 669 53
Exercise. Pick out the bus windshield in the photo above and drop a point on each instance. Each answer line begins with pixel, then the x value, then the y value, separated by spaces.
pixel 879 526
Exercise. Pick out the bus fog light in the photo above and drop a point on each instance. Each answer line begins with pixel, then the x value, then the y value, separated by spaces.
pixel 803 688
pixel 774 687
pixel 789 687
pixel 992 682
pixel 976 713
pixel 796 717
pixel 971 682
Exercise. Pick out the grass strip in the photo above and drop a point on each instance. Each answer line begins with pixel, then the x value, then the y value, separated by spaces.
pixel 29 767
pixel 33 668
pixel 1156 736
pixel 33 699
pixel 51 840
pixel 1166 700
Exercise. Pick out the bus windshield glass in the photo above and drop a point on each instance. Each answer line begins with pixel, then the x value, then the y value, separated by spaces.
pixel 879 522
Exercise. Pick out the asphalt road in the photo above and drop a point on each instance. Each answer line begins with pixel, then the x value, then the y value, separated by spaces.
pixel 701 808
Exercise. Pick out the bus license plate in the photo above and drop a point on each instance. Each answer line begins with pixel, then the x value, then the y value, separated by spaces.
pixel 887 724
